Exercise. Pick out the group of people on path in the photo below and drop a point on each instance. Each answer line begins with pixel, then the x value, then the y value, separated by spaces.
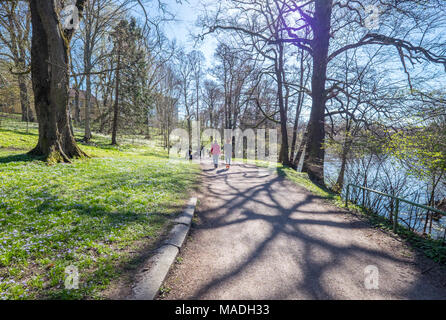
pixel 216 152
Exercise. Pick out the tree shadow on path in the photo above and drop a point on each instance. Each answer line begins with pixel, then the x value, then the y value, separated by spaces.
pixel 250 196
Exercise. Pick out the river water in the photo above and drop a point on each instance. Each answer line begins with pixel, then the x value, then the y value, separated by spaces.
pixel 389 176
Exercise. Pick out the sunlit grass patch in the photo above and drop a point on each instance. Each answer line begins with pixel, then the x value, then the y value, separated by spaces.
pixel 302 179
pixel 88 214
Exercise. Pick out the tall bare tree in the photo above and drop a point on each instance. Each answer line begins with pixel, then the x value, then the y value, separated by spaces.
pixel 100 16
pixel 15 28
pixel 339 26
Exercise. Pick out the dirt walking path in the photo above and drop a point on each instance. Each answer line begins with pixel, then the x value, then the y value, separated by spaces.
pixel 259 236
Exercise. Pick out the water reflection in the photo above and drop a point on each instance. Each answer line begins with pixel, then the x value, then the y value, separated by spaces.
pixel 389 176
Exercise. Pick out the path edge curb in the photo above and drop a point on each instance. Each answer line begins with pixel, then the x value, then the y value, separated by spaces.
pixel 157 266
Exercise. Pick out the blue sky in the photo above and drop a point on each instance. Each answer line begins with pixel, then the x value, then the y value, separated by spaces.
pixel 186 15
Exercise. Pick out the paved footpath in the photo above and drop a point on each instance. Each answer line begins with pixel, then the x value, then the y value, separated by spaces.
pixel 259 236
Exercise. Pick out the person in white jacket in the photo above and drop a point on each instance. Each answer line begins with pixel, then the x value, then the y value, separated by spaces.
pixel 228 152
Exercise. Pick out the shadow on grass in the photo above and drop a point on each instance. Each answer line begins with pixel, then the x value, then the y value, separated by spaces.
pixel 19 158
pixel 121 272
pixel 20 131
pixel 155 154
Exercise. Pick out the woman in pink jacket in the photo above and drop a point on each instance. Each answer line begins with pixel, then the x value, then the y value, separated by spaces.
pixel 215 151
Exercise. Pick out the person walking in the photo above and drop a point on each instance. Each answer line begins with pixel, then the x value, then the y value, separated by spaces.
pixel 215 151
pixel 228 153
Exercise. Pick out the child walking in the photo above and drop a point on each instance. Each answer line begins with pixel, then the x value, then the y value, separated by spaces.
pixel 215 151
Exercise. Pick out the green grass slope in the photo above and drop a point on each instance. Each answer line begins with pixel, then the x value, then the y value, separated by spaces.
pixel 94 214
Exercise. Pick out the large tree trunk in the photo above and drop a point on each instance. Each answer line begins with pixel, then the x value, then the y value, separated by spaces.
pixel 314 152
pixel 50 78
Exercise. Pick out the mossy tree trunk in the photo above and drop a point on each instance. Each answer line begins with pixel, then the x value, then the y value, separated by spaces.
pixel 50 78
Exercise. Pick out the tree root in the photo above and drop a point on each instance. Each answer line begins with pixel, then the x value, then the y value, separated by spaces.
pixel 55 154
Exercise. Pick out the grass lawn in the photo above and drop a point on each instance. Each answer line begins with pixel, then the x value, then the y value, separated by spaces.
pixel 95 214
